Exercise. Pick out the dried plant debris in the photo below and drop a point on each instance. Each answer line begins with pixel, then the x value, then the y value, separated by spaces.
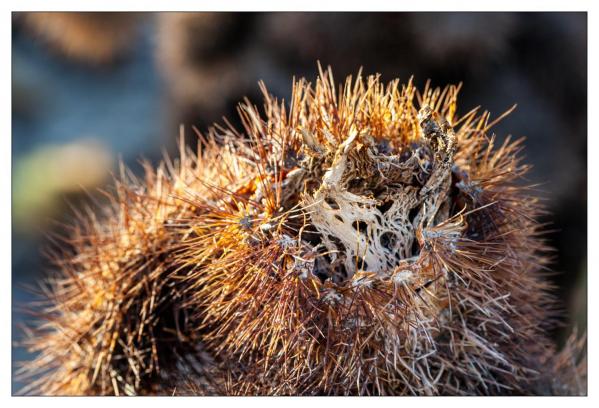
pixel 359 240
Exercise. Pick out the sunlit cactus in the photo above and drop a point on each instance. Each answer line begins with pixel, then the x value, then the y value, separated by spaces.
pixel 363 239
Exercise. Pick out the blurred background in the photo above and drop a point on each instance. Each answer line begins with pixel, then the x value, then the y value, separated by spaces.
pixel 89 89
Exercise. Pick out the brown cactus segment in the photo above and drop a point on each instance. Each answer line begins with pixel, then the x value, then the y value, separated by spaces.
pixel 365 241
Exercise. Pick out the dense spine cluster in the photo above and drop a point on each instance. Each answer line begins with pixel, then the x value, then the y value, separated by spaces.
pixel 356 241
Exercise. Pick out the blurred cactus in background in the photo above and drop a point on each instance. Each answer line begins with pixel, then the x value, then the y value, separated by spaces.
pixel 95 38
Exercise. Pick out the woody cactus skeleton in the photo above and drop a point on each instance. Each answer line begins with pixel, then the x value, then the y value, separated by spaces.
pixel 361 242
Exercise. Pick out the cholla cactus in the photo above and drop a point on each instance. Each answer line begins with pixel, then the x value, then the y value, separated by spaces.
pixel 365 241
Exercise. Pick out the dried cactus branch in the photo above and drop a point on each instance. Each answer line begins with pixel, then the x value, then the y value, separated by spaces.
pixel 350 243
